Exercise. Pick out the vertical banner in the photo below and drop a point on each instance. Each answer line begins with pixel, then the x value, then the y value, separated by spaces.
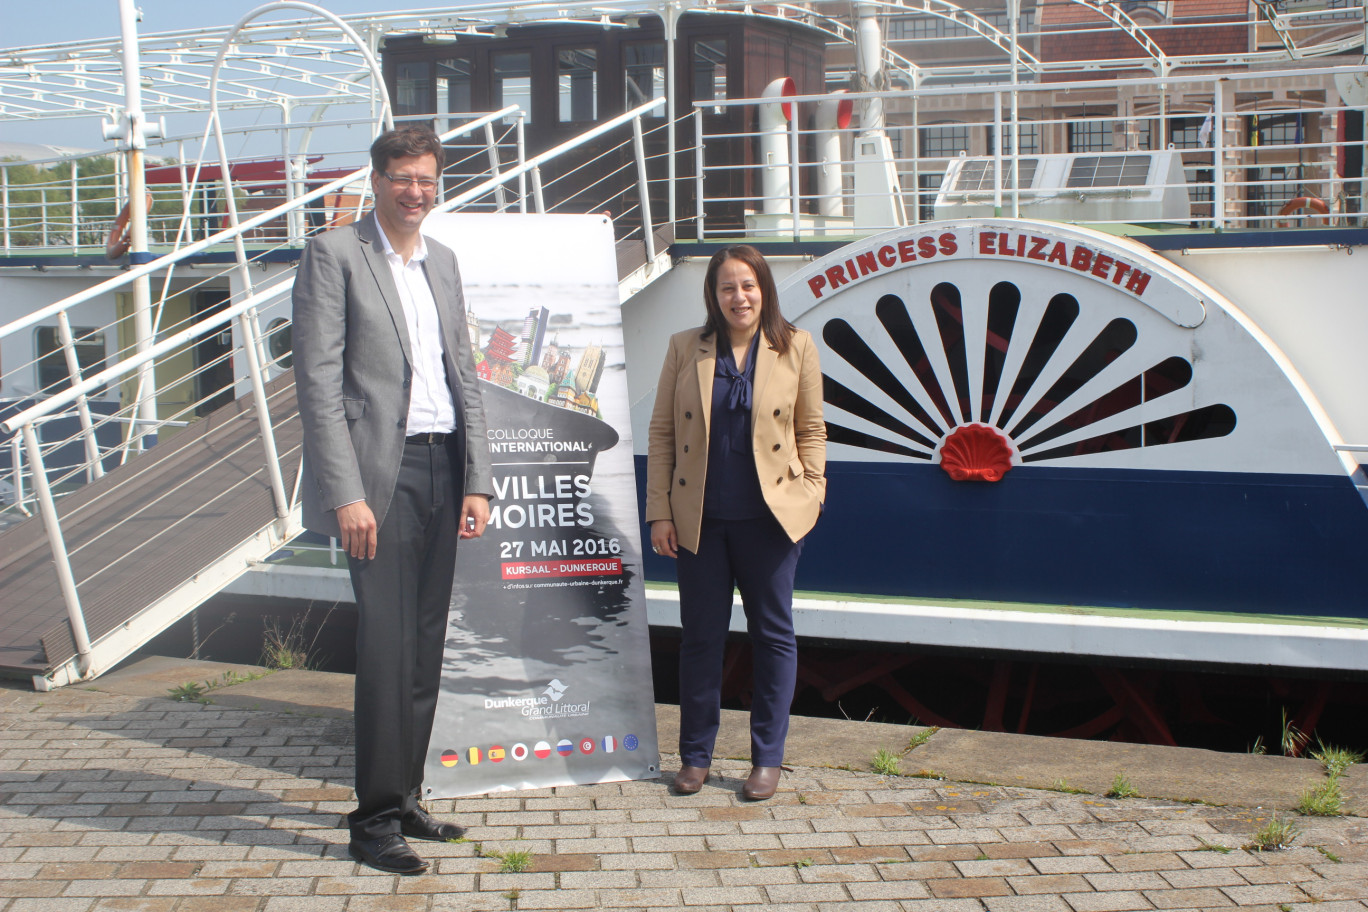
pixel 546 679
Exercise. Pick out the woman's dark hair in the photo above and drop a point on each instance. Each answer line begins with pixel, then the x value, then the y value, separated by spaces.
pixel 777 330
pixel 403 143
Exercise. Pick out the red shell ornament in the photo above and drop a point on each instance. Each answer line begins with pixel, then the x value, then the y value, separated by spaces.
pixel 976 452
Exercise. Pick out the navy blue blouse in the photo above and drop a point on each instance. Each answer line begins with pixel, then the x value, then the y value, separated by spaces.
pixel 732 487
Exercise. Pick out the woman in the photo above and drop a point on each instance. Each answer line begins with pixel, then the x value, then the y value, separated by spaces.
pixel 734 482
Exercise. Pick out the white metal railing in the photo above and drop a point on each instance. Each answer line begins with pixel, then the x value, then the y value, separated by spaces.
pixel 493 192
pixel 1242 164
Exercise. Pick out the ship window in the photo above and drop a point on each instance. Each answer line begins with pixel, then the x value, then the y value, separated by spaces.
pixel 454 79
pixel 280 343
pixel 513 82
pixel 710 72
pixel 53 376
pixel 644 74
pixel 1109 171
pixel 577 84
pixel 413 89
pixel 1090 135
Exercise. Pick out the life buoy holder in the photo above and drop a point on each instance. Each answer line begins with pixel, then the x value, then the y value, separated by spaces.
pixel 1316 205
pixel 120 239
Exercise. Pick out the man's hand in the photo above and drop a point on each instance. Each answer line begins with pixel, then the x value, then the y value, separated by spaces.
pixel 358 530
pixel 474 515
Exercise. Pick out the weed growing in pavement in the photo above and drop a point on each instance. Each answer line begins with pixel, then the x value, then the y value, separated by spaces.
pixel 1062 786
pixel 1258 746
pixel 1335 759
pixel 1293 739
pixel 927 774
pixel 802 799
pixel 195 691
pixel 981 856
pixel 190 692
pixel 803 863
pixel 887 763
pixel 1325 800
pixel 1205 846
pixel 922 737
pixel 1277 833
pixel 514 861
pixel 284 647
pixel 1121 788
pixel 1328 854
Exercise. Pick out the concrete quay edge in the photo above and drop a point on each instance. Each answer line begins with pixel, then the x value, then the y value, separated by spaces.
pixel 958 755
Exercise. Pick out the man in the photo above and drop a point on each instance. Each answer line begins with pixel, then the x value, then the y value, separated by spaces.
pixel 396 465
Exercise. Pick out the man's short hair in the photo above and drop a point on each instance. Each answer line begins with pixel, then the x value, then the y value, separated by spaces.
pixel 405 142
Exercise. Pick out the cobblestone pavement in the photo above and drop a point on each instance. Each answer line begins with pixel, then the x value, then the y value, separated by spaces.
pixel 112 802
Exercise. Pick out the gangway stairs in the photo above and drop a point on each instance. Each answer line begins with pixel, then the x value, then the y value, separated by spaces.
pixel 158 536
pixel 148 542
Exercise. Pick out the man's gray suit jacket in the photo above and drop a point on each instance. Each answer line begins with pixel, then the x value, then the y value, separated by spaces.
pixel 352 362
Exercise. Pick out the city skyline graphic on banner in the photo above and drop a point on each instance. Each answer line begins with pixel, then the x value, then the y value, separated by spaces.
pixel 533 366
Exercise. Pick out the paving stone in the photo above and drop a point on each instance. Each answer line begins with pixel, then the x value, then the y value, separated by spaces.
pixel 1120 901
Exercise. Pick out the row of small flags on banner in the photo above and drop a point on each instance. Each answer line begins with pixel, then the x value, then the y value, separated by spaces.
pixel 541 750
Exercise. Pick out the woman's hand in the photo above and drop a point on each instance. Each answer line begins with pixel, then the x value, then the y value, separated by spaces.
pixel 663 539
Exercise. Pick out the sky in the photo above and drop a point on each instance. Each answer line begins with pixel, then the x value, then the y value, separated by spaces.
pixel 23 23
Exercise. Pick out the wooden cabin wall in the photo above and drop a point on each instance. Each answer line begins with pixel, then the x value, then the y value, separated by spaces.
pixel 602 175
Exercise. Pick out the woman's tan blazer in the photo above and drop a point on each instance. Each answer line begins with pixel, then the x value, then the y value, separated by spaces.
pixel 788 435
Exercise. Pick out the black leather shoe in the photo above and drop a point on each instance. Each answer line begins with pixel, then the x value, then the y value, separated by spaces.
pixel 419 824
pixel 387 853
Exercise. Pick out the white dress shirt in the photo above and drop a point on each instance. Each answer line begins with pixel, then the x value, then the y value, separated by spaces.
pixel 430 404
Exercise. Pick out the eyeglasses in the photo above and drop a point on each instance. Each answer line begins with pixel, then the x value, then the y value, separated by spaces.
pixel 426 184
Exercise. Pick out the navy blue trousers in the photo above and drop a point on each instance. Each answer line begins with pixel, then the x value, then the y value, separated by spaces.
pixel 757 557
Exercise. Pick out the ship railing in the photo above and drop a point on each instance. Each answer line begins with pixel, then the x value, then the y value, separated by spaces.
pixel 68 352
pixel 83 383
pixel 1281 163
pixel 70 204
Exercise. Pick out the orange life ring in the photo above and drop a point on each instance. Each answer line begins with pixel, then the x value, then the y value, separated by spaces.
pixel 1305 202
pixel 118 242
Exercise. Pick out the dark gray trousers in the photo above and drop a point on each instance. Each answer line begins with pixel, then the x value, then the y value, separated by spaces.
pixel 402 598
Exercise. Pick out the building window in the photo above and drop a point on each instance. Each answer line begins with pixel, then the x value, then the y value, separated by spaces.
pixel 1268 190
pixel 944 142
pixel 923 28
pixel 710 72
pixel 1090 135
pixel 1029 133
pixel 513 82
pixel 53 376
pixel 577 84
pixel 1273 129
pixel 643 74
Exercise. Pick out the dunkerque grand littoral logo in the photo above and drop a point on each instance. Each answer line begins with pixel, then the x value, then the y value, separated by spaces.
pixel 555 690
